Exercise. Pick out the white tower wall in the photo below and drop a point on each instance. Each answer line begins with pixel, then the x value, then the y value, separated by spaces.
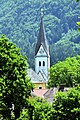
pixel 42 62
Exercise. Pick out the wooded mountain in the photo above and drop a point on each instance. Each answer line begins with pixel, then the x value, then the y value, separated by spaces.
pixel 20 19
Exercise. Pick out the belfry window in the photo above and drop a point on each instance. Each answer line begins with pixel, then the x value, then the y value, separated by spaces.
pixel 43 63
pixel 39 63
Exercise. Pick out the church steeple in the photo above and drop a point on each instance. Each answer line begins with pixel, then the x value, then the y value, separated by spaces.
pixel 42 38
pixel 42 57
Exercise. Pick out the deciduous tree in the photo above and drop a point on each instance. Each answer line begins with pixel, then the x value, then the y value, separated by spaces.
pixel 66 72
pixel 39 109
pixel 15 86
pixel 67 105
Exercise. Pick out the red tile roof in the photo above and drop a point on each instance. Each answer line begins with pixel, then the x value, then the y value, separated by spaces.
pixel 39 92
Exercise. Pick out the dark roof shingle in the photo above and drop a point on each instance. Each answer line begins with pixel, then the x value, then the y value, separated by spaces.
pixel 42 39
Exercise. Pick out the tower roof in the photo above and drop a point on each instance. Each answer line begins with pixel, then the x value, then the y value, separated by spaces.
pixel 42 39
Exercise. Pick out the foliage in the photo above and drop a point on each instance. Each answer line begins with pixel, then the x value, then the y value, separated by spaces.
pixel 67 105
pixel 15 86
pixel 43 110
pixel 64 107
pixel 77 0
pixel 20 19
pixel 39 109
pixel 66 72
pixel 78 23
pixel 24 115
pixel 66 47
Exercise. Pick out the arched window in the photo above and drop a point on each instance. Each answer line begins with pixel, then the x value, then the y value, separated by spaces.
pixel 43 63
pixel 39 63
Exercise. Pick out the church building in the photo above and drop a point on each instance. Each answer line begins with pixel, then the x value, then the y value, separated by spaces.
pixel 39 77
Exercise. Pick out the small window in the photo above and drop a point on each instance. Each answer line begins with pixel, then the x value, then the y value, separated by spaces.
pixel 40 87
pixel 39 63
pixel 43 63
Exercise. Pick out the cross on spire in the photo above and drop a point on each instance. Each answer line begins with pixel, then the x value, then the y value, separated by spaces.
pixel 42 13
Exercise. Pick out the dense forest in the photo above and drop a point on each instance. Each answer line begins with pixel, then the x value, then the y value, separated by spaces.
pixel 20 19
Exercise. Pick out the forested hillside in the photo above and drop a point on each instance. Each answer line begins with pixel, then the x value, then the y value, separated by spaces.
pixel 19 20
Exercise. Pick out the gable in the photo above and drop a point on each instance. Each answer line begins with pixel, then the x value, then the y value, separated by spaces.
pixel 41 51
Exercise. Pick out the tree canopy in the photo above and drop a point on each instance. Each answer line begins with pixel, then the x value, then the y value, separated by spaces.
pixel 66 72
pixel 20 19
pixel 15 86
pixel 77 0
pixel 39 109
pixel 67 105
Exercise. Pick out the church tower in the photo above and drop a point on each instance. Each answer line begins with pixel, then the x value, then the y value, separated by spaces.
pixel 42 56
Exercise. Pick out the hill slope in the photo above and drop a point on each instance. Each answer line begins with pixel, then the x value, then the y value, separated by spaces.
pixel 19 20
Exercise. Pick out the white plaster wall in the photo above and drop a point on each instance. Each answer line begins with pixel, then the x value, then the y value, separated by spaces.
pixel 42 57
pixel 41 68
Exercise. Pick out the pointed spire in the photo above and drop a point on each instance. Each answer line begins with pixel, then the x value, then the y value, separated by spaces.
pixel 42 37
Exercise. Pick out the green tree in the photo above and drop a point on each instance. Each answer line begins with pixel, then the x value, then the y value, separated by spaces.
pixel 66 72
pixel 77 0
pixel 15 86
pixel 67 105
pixel 39 109
pixel 43 110
pixel 78 23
